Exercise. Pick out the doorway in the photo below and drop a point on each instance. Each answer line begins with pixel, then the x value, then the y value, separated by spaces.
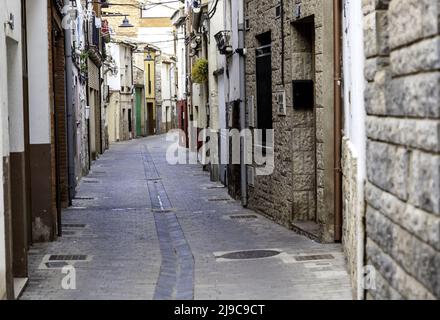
pixel 139 112
pixel 15 184
pixel 151 119
pixel 130 125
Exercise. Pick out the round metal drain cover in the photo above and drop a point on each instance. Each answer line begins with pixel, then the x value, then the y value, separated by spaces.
pixel 251 254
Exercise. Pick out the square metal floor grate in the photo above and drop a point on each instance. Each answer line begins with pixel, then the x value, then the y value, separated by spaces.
pixel 70 232
pixel 56 264
pixel 74 225
pixel 315 257
pixel 61 257
pixel 244 217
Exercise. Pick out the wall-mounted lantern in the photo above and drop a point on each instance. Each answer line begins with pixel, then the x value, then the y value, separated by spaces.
pixel 149 57
pixel 196 6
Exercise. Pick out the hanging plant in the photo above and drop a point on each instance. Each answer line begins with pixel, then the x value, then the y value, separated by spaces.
pixel 83 61
pixel 200 71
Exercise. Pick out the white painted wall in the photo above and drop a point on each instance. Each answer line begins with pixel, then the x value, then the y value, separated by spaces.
pixel 354 110
pixel 168 91
pixel 232 8
pixel 215 62
pixel 181 62
pixel 125 65
pixel 122 55
pixel 38 62
pixel 114 80
pixel 11 107
pixel 354 61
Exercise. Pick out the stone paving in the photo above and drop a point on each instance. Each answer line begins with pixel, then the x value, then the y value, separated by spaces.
pixel 137 250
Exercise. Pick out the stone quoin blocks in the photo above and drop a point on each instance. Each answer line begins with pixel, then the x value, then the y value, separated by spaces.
pixel 402 100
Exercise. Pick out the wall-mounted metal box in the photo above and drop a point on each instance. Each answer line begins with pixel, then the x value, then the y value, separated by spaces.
pixel 303 94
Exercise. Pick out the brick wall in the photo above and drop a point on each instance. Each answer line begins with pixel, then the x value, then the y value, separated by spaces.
pixel 134 16
pixel 402 44
pixel 60 109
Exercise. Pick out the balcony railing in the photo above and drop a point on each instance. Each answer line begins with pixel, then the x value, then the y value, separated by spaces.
pixel 223 39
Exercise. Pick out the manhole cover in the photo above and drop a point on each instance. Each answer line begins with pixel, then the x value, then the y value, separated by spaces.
pixel 83 198
pixel 91 181
pixel 215 199
pixel 251 254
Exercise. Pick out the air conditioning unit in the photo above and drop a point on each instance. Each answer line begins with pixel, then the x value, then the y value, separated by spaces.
pixel 280 100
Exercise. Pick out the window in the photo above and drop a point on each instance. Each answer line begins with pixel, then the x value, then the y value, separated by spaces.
pixel 263 56
pixel 278 11
pixel 149 79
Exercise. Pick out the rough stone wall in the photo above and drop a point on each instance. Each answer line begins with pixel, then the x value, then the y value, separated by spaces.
pixel 402 44
pixel 352 211
pixel 297 190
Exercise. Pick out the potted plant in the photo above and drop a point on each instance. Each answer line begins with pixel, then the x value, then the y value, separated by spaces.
pixel 200 71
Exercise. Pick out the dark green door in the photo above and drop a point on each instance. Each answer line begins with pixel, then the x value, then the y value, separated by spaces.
pixel 138 112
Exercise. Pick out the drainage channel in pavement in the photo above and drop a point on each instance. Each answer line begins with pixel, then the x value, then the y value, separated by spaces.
pixel 176 277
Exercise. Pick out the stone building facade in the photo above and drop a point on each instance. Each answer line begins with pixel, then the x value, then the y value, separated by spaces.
pixel 402 98
pixel 300 192
pixel 121 110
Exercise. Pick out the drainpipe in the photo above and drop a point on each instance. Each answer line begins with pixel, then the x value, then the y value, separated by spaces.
pixel 70 111
pixel 282 42
pixel 337 30
pixel 241 43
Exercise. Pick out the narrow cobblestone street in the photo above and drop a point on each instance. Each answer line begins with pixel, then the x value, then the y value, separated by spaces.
pixel 148 235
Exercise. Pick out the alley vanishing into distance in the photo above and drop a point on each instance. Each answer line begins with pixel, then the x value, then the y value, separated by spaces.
pixel 317 125
pixel 140 228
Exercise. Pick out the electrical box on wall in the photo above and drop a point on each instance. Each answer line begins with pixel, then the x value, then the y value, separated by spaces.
pixel 280 100
pixel 303 94
pixel 251 176
pixel 251 111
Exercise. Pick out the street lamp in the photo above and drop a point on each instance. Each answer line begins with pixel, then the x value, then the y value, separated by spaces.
pixel 126 23
pixel 149 57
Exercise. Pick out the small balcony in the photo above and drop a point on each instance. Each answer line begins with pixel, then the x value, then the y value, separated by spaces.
pixel 223 39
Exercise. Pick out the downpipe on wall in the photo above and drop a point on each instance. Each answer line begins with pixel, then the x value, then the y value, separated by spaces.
pixel 337 45
pixel 241 44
